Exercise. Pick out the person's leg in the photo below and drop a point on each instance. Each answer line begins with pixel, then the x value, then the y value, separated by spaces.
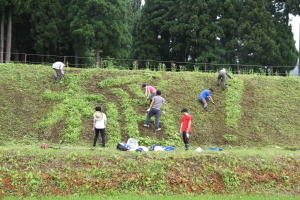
pixel 103 136
pixel 204 103
pixel 219 79
pixel 58 75
pixel 186 140
pixel 157 118
pixel 96 137
pixel 223 81
pixel 149 115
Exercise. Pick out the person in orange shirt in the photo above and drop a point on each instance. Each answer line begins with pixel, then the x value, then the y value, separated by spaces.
pixel 186 127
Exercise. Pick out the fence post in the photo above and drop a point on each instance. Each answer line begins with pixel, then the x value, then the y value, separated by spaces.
pixel 238 68
pixel 204 67
pixel 25 58
pixel 100 62
pixel 65 58
pixel 272 71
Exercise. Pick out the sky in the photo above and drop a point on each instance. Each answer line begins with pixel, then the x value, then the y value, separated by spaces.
pixel 296 28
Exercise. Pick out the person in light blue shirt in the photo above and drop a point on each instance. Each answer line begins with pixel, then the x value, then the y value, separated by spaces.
pixel 205 96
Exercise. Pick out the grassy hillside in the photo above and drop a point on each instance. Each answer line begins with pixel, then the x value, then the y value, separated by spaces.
pixel 254 111
pixel 249 120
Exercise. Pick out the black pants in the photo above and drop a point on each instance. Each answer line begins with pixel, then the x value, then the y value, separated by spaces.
pixel 186 139
pixel 103 136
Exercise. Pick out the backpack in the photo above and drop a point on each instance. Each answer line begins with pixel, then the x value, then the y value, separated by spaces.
pixel 122 147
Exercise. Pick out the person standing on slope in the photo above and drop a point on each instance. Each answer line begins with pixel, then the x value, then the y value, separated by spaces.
pixel 99 126
pixel 186 128
pixel 155 107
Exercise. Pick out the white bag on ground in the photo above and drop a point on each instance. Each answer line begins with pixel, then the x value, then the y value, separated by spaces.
pixel 199 149
pixel 133 143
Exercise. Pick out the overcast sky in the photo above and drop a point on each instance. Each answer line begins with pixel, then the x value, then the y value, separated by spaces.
pixel 296 28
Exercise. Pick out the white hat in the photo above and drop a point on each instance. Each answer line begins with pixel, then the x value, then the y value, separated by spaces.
pixel 98 115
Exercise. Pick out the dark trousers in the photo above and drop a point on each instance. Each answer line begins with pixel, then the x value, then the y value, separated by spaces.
pixel 186 139
pixel 58 74
pixel 156 113
pixel 103 136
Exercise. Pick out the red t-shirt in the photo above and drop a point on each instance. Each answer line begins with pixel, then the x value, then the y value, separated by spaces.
pixel 185 119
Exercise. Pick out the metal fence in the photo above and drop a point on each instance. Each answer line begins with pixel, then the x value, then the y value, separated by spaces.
pixel 93 62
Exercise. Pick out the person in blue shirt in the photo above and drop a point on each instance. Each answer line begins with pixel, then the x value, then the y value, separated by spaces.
pixel 205 96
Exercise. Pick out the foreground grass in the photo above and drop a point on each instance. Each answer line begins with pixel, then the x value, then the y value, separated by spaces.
pixel 30 171
pixel 173 197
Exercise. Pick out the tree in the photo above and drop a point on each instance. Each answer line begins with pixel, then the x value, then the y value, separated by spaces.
pixel 10 8
pixel 47 23
pixel 256 32
pixel 280 11
pixel 151 36
pixel 100 25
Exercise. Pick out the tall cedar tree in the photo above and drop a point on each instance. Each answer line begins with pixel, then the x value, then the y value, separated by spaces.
pixel 257 45
pixel 151 37
pixel 100 25
pixel 229 23
pixel 10 9
pixel 284 36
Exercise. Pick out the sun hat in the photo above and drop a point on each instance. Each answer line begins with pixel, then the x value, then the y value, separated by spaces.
pixel 98 115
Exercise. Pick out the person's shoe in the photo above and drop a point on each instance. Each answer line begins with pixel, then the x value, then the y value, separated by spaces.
pixel 206 109
pixel 158 129
pixel 146 125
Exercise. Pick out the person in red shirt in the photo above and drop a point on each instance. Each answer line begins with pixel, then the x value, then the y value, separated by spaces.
pixel 186 128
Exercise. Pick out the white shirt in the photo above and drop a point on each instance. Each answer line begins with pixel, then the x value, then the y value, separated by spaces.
pixel 100 123
pixel 58 65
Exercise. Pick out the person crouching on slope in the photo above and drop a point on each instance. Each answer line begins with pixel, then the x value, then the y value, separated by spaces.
pixel 150 91
pixel 205 96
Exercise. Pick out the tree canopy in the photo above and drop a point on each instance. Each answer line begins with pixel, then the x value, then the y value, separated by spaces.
pixel 252 32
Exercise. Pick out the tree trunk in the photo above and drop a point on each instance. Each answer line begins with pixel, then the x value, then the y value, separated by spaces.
pixel 98 62
pixel 8 39
pixel 2 39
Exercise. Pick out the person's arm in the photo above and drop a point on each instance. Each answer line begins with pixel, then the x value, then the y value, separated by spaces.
pixel 210 97
pixel 228 76
pixel 151 104
pixel 147 93
pixel 94 124
pixel 189 126
pixel 163 107
pixel 105 123
pixel 181 128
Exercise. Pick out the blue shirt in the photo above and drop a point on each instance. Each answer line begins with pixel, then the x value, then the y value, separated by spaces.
pixel 204 94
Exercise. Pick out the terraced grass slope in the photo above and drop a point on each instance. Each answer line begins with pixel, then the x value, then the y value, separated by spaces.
pixel 254 111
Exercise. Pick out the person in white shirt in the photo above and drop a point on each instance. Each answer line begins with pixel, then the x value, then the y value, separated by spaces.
pixel 58 67
pixel 99 125
pixel 222 78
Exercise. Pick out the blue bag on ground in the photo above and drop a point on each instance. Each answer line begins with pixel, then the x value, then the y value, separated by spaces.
pixel 214 149
pixel 169 148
